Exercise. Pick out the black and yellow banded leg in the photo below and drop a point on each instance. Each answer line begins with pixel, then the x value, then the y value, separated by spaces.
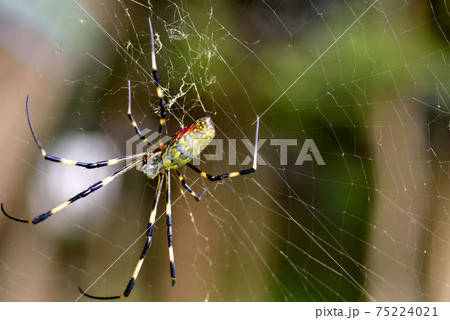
pixel 188 188
pixel 80 195
pixel 236 173
pixel 147 245
pixel 221 176
pixel 133 122
pixel 88 165
pixel 91 165
pixel 159 92
pixel 169 229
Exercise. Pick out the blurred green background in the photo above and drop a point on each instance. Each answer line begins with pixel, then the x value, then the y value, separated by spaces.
pixel 368 82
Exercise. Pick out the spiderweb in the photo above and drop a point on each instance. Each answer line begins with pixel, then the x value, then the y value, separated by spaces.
pixel 350 201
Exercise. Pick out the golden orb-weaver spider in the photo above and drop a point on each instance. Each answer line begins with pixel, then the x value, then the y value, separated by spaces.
pixel 180 150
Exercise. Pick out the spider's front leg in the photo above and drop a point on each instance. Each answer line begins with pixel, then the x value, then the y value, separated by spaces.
pixel 235 173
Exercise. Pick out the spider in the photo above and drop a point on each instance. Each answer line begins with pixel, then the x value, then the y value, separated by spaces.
pixel 177 152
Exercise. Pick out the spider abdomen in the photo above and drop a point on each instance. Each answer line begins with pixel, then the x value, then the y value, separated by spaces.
pixel 181 149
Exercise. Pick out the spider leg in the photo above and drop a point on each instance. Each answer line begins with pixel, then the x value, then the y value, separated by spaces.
pixel 221 176
pixel 169 228
pixel 188 188
pixel 159 92
pixel 133 122
pixel 148 243
pixel 236 173
pixel 87 165
pixel 80 195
